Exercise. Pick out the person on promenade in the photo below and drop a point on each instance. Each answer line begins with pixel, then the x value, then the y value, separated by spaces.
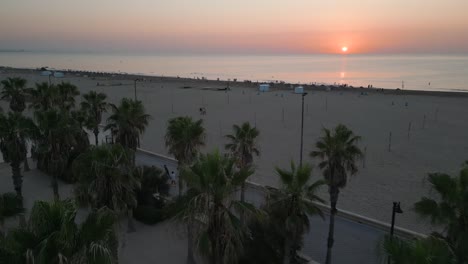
pixel 173 178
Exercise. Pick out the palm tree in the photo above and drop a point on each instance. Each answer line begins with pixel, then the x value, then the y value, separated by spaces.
pixel 94 104
pixel 338 153
pixel 127 122
pixel 212 181
pixel 106 178
pixel 14 90
pixel 243 145
pixel 52 236
pixel 43 96
pixel 58 135
pixel 449 210
pixel 65 96
pixel 292 204
pixel 14 130
pixel 430 250
pixel 184 137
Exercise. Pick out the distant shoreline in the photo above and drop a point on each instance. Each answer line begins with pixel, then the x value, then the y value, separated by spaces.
pixel 237 83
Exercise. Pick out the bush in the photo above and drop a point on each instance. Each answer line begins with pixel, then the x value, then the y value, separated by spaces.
pixel 148 215
pixel 9 205
pixel 152 181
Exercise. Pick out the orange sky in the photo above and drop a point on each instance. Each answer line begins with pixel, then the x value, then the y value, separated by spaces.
pixel 241 26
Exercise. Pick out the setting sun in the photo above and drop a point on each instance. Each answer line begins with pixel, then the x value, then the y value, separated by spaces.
pixel 344 49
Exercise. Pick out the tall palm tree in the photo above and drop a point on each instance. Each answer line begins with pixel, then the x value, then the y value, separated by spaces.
pixel 338 153
pixel 14 90
pixel 184 137
pixel 449 210
pixel 127 122
pixel 212 180
pixel 43 96
pixel 94 104
pixel 14 130
pixel 292 205
pixel 430 250
pixel 106 178
pixel 58 134
pixel 65 96
pixel 52 236
pixel 243 145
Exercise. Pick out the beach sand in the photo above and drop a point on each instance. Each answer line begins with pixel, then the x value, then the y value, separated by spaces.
pixel 437 143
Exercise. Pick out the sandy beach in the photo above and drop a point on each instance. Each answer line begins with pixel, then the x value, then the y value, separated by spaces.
pixel 436 142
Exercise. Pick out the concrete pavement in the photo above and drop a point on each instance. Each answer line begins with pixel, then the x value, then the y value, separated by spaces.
pixel 355 243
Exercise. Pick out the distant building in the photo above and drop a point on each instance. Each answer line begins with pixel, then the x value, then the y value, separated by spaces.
pixel 46 73
pixel 264 87
pixel 59 75
pixel 299 90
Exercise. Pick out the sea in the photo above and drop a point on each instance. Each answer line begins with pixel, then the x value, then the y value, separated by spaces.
pixel 412 72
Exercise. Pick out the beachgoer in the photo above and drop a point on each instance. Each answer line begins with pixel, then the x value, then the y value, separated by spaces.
pixel 173 178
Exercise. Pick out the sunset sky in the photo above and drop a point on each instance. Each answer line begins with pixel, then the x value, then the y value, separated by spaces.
pixel 240 26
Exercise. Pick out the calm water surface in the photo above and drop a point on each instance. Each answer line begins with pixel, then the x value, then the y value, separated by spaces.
pixel 446 73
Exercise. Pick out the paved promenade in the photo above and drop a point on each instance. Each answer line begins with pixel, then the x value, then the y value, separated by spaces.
pixel 354 242
pixel 166 242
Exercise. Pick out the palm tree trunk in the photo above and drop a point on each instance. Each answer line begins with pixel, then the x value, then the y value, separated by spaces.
pixel 181 184
pixel 131 225
pixel 334 191
pixel 242 198
pixel 190 257
pixel 26 164
pixel 287 252
pixel 96 133
pixel 17 179
pixel 214 253
pixel 55 187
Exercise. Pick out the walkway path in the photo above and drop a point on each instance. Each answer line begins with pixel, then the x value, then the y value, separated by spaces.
pixel 354 242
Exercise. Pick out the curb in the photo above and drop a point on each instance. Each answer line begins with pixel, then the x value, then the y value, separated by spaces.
pixel 401 232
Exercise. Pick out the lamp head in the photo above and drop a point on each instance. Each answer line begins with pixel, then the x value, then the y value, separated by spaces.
pixel 397 207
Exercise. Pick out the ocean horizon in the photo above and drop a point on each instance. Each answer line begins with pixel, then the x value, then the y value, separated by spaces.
pixel 412 72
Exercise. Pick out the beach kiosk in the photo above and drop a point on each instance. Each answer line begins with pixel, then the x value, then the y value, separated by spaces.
pixel 58 74
pixel 46 73
pixel 299 90
pixel 264 87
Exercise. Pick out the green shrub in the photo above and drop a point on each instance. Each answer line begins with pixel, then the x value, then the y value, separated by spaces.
pixel 148 215
pixel 152 181
pixel 9 205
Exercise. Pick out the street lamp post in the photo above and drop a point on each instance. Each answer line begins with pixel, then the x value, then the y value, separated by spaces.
pixel 134 86
pixel 302 130
pixel 396 210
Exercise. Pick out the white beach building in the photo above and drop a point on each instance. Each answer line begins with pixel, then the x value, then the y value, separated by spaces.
pixel 58 74
pixel 264 87
pixel 46 73
pixel 299 90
